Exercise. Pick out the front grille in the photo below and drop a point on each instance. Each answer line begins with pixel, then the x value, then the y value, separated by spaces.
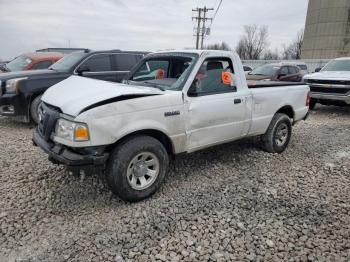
pixel 329 90
pixel 48 116
pixel 328 82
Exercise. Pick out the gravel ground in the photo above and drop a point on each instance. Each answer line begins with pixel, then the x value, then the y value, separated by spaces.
pixel 233 202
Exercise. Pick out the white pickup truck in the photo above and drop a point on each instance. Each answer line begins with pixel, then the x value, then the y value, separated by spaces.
pixel 331 85
pixel 171 103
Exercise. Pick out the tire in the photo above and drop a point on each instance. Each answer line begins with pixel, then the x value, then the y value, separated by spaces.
pixel 277 136
pixel 34 106
pixel 312 104
pixel 130 164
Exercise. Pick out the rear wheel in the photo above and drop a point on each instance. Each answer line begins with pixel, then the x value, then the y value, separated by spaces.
pixel 137 168
pixel 312 104
pixel 34 107
pixel 277 136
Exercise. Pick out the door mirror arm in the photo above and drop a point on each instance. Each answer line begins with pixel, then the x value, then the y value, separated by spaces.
pixel 82 69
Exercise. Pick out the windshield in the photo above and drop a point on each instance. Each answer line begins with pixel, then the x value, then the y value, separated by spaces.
pixel 19 63
pixel 302 67
pixel 267 70
pixel 337 65
pixel 166 72
pixel 67 62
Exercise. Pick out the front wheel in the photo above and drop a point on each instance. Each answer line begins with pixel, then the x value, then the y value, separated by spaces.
pixel 137 168
pixel 34 108
pixel 277 136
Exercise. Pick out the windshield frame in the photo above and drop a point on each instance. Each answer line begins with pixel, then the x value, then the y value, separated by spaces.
pixel 165 55
pixel 15 60
pixel 332 62
pixel 70 68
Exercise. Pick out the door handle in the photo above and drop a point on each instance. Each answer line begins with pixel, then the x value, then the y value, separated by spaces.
pixel 237 100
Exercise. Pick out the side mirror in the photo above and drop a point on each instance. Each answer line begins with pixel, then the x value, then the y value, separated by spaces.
pixel 82 69
pixel 280 75
pixel 318 69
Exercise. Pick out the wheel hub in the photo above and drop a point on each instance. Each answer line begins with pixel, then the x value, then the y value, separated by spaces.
pixel 140 169
pixel 143 170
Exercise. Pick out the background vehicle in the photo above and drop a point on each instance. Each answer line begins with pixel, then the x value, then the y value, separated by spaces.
pixel 276 72
pixel 171 103
pixel 21 91
pixel 303 66
pixel 331 85
pixel 32 61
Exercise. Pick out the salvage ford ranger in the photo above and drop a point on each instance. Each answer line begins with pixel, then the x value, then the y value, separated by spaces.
pixel 171 103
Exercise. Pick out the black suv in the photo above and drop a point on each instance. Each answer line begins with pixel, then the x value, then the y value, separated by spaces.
pixel 20 92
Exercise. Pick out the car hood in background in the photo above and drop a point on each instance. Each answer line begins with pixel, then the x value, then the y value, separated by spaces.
pixel 28 73
pixel 336 75
pixel 76 93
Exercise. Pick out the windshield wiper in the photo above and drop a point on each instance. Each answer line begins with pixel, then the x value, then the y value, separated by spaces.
pixel 154 85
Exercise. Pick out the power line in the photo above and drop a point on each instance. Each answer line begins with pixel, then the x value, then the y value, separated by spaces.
pixel 217 10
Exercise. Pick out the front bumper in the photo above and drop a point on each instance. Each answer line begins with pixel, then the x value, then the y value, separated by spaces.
pixel 11 105
pixel 330 98
pixel 59 154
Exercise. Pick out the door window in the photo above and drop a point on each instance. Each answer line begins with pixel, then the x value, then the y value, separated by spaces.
pixel 124 62
pixel 98 63
pixel 209 77
pixel 284 70
pixel 293 70
pixel 42 65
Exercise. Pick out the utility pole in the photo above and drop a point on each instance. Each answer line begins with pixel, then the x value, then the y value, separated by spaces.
pixel 201 30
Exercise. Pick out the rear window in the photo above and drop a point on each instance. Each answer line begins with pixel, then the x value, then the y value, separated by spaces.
pixel 302 67
pixel 42 65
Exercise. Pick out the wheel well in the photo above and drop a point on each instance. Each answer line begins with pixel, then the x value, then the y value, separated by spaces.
pixel 30 101
pixel 288 110
pixel 160 136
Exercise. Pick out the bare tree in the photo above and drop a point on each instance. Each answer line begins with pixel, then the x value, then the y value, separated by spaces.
pixel 293 51
pixel 272 55
pixel 253 43
pixel 219 46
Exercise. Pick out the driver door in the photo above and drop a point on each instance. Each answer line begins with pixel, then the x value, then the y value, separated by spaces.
pixel 215 112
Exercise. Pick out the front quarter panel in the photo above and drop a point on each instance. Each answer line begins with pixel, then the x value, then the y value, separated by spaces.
pixel 111 122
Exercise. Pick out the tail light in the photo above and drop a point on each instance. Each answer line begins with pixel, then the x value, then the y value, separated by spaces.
pixel 308 99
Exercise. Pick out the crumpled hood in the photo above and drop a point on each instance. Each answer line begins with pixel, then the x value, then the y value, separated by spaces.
pixel 332 75
pixel 76 93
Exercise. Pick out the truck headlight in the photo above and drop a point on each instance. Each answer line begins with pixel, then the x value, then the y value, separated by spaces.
pixel 12 85
pixel 72 131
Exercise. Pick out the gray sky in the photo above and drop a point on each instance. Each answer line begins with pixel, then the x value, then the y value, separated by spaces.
pixel 26 25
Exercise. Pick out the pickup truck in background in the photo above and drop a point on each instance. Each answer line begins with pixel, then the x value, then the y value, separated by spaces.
pixel 331 84
pixel 171 103
pixel 20 92
pixel 31 61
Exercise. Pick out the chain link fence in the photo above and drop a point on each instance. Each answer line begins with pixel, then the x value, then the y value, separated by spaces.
pixel 312 64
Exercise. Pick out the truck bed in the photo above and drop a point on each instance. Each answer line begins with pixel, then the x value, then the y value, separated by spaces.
pixel 262 84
